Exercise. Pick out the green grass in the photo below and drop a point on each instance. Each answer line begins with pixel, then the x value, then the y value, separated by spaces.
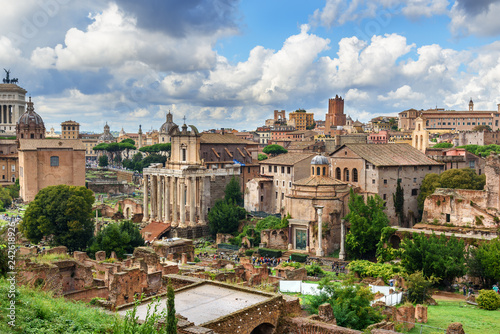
pixel 39 312
pixel 47 258
pixel 473 319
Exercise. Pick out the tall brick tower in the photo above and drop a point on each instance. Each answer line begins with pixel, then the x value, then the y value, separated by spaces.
pixel 335 115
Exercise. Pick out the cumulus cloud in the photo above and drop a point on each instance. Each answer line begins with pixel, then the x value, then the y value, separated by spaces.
pixel 404 93
pixel 114 38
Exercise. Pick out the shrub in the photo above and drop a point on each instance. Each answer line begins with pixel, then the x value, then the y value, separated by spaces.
pixel 266 252
pixel 365 268
pixel 297 257
pixel 295 265
pixel 314 270
pixel 249 252
pixel 488 300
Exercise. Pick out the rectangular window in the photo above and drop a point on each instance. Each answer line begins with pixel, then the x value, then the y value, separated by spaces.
pixel 282 196
pixel 414 180
pixel 472 164
pixel 288 170
pixel 248 169
pixel 385 181
pixel 414 192
pixel 276 169
pixel 384 196
pixel 282 169
pixel 373 181
pixel 270 169
pixel 13 168
pixel 54 161
pixel 276 195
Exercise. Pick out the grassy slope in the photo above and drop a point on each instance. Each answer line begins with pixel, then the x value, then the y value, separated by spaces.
pixel 473 319
pixel 39 312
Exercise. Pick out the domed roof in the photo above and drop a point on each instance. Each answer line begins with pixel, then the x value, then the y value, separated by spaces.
pixel 320 160
pixel 30 117
pixel 106 136
pixel 169 124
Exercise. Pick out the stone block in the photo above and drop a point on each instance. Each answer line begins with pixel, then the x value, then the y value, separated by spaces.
pixel 100 256
pixel 184 258
pixel 325 313
pixel 80 256
pixel 406 316
pixel 113 255
pixel 455 328
pixel 421 313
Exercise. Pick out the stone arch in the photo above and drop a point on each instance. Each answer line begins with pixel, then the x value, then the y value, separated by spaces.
pixel 318 171
pixel 263 328
pixel 354 175
pixel 128 212
pixel 346 174
pixel 324 171
pixel 395 241
pixel 337 173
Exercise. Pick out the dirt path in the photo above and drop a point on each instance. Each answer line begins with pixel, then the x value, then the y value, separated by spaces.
pixel 443 295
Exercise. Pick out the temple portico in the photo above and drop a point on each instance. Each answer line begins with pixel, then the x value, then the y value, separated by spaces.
pixel 182 192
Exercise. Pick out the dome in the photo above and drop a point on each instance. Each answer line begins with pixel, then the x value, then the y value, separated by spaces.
pixel 30 117
pixel 169 124
pixel 30 125
pixel 320 160
pixel 106 136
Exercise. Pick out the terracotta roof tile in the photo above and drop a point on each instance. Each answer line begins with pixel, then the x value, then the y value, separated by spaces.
pixel 390 154
pixel 287 159
pixel 155 229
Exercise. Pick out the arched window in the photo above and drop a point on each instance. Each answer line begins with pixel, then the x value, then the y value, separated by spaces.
pixel 337 173
pixel 318 171
pixel 346 174
pixel 354 175
pixel 419 127
pixel 324 171
pixel 312 170
pixel 421 142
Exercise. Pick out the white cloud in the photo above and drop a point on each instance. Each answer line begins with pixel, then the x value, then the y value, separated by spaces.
pixel 113 38
pixel 427 8
pixel 404 93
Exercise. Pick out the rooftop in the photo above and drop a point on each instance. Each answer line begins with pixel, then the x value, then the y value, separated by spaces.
pixel 35 144
pixel 288 159
pixel 215 138
pixel 390 154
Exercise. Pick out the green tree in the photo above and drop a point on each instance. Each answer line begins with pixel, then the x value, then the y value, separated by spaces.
pixel 171 319
pixel 274 150
pixel 103 161
pixel 233 192
pixel 261 157
pixel 481 128
pixel 156 148
pixel 63 214
pixel 121 238
pixel 350 304
pixel 128 140
pixel 435 256
pixel 399 202
pixel 482 150
pixel 483 261
pixel 367 222
pixel 419 287
pixel 5 197
pixel 443 145
pixel 429 184
pixel 112 149
pixel 225 217
pixel 488 300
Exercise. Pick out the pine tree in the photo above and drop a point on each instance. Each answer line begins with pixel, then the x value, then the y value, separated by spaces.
pixel 171 319
pixel 399 201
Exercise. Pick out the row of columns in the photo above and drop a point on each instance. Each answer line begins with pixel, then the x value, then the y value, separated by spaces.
pixel 6 113
pixel 171 196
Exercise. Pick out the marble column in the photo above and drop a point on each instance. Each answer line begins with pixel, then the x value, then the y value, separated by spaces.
pixel 342 240
pixel 319 250
pixel 145 208
pixel 175 222
pixel 192 202
pixel 167 188
pixel 290 237
pixel 160 198
pixel 182 183
pixel 154 193
pixel 203 206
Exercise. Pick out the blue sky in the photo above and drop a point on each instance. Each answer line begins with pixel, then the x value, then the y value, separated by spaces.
pixel 230 63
